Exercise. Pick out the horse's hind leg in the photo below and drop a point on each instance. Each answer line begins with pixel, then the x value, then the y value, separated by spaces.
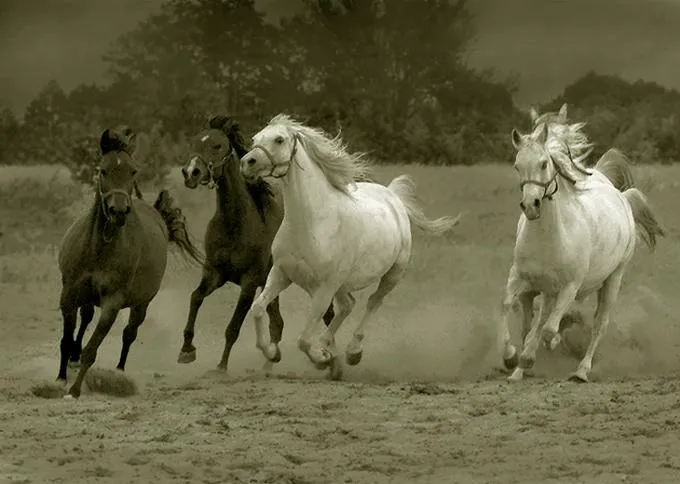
pixel 210 281
pixel 86 315
pixel 606 297
pixel 106 319
pixel 137 316
pixel 387 283
pixel 245 299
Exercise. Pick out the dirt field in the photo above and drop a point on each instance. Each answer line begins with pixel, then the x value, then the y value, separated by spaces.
pixel 425 405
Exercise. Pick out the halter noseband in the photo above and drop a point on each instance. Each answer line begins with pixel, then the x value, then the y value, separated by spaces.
pixel 275 164
pixel 103 196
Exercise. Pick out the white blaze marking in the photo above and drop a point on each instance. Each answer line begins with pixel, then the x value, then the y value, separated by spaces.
pixel 192 164
pixel 205 138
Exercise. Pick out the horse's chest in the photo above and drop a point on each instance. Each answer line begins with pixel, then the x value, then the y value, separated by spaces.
pixel 545 269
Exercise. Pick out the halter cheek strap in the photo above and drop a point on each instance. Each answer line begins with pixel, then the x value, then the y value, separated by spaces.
pixel 276 164
pixel 212 167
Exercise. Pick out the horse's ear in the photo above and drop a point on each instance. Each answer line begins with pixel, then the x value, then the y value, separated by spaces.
pixel 540 133
pixel 106 142
pixel 516 139
pixel 563 113
pixel 534 115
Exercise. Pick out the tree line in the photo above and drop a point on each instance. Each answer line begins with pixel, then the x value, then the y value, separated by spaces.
pixel 391 74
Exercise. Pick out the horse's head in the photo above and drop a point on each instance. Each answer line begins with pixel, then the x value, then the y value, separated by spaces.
pixel 115 177
pixel 274 148
pixel 212 148
pixel 537 172
pixel 550 118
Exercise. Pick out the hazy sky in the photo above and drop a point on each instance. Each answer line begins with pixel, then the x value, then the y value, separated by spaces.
pixel 547 44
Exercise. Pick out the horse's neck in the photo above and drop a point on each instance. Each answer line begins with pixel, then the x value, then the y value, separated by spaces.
pixel 307 191
pixel 232 197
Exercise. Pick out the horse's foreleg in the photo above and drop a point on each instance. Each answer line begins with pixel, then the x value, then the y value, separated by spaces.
pixel 245 299
pixel 513 288
pixel 210 281
pixel 69 315
pixel 344 302
pixel 137 316
pixel 106 319
pixel 565 298
pixel 606 297
pixel 277 281
pixel 86 315
pixel 531 340
pixel 318 354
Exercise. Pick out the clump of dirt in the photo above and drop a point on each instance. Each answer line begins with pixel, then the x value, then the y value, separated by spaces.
pixel 110 382
pixel 48 390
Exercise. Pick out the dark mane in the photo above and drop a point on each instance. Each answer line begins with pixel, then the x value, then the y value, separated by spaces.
pixel 261 191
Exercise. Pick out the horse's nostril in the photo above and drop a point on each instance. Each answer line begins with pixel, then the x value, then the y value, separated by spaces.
pixel 251 161
pixel 537 202
pixel 195 172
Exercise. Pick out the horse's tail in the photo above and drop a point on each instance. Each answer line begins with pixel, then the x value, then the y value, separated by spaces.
pixel 647 224
pixel 177 228
pixel 404 188
pixel 616 166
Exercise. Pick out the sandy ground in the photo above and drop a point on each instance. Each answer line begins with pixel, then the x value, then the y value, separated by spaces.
pixel 426 404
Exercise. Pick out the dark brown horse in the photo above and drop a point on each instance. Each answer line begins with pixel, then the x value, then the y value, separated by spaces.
pixel 239 236
pixel 114 257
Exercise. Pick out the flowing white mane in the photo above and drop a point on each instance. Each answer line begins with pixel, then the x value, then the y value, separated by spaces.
pixel 569 146
pixel 340 167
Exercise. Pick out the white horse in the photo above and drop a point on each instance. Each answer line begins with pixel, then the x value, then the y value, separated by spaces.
pixel 576 236
pixel 338 235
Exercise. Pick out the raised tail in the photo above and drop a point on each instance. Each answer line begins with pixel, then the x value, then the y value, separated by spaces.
pixel 647 224
pixel 404 187
pixel 176 224
pixel 616 166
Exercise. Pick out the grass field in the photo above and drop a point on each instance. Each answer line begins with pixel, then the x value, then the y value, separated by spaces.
pixel 425 405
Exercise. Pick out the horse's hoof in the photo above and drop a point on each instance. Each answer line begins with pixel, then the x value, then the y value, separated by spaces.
pixel 353 359
pixel 578 377
pixel 548 336
pixel 526 362
pixel 277 355
pixel 68 396
pixel 74 364
pixel 221 368
pixel 187 356
pixel 512 362
pixel 516 376
pixel 336 369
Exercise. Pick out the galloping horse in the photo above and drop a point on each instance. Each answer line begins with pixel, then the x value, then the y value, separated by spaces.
pixel 239 236
pixel 338 235
pixel 114 257
pixel 576 236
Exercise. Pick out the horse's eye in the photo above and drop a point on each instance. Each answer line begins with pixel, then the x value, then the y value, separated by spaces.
pixel 279 140
pixel 217 146
pixel 544 165
pixel 134 172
